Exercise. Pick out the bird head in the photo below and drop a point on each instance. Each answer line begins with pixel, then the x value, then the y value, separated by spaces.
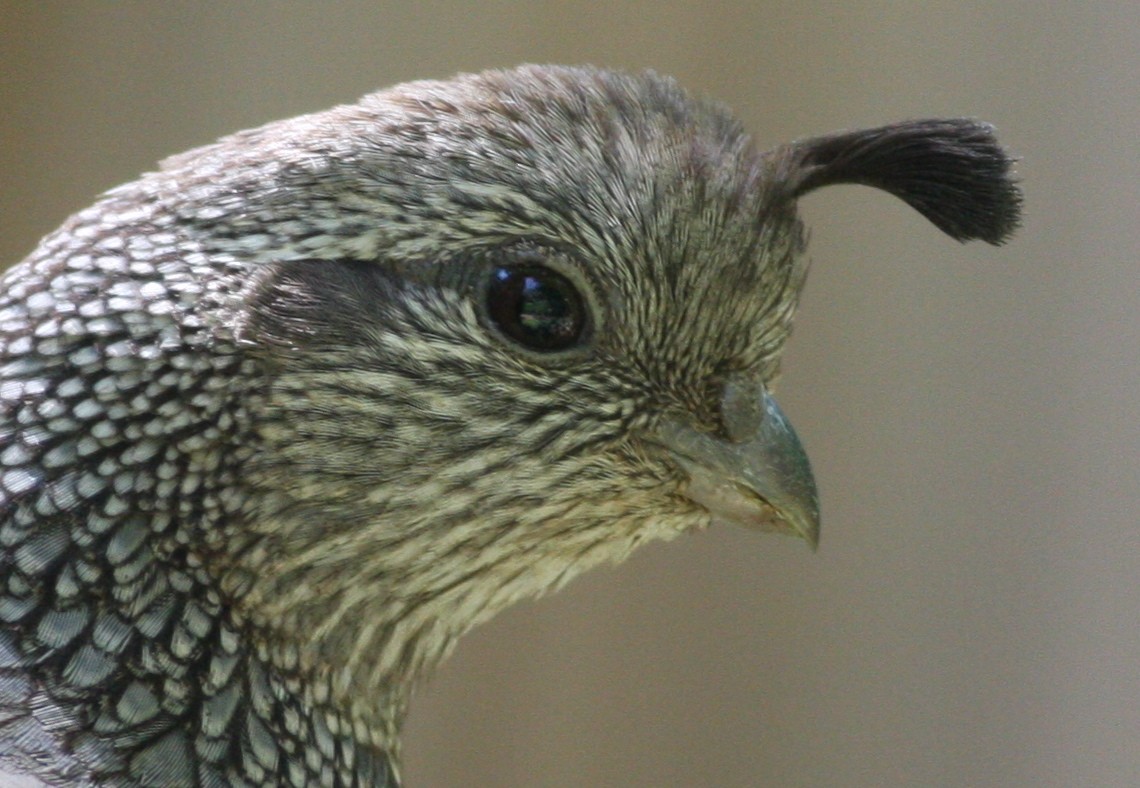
pixel 511 326
pixel 508 327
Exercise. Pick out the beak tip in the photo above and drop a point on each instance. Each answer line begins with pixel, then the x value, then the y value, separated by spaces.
pixel 807 529
pixel 813 541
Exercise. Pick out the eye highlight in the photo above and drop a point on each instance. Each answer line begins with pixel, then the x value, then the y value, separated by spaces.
pixel 536 307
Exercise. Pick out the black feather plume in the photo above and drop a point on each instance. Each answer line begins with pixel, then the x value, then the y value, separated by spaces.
pixel 952 171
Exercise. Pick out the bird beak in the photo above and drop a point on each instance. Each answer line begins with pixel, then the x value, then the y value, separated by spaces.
pixel 759 477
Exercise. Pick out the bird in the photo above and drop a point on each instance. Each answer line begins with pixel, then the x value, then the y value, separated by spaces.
pixel 283 419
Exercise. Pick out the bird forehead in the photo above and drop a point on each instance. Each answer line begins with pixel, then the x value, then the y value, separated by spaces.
pixel 628 170
pixel 582 157
pixel 569 137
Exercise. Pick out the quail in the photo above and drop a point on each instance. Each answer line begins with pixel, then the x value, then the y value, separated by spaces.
pixel 282 420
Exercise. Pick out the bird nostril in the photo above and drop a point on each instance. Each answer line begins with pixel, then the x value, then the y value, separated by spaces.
pixel 742 408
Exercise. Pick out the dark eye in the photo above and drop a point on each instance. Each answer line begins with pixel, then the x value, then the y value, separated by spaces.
pixel 537 307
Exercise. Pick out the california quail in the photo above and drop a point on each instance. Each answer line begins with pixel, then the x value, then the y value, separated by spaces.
pixel 285 418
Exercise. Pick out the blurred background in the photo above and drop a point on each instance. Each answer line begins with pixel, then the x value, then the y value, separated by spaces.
pixel 973 614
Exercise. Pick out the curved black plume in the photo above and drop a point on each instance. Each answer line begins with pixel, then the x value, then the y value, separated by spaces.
pixel 952 171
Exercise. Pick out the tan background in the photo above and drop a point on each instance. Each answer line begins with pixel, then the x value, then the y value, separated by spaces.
pixel 972 616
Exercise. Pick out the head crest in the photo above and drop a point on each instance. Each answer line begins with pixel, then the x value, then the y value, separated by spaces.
pixel 952 171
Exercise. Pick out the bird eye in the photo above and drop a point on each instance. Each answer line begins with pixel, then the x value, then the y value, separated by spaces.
pixel 535 306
